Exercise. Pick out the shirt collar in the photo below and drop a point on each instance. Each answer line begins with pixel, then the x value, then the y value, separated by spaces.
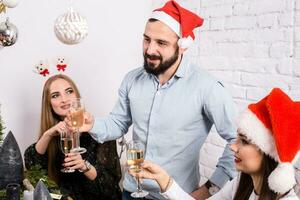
pixel 182 68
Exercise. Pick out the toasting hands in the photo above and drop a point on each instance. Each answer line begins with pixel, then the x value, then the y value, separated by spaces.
pixel 88 122
pixel 154 172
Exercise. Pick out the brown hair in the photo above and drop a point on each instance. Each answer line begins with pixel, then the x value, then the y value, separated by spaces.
pixel 245 186
pixel 48 119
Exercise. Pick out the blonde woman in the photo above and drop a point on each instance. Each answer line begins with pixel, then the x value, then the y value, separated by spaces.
pixel 97 172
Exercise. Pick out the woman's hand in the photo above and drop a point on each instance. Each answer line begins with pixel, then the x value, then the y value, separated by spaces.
pixel 154 172
pixel 57 129
pixel 74 161
pixel 42 144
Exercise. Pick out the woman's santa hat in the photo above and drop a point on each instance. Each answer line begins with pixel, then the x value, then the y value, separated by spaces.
pixel 273 124
pixel 180 20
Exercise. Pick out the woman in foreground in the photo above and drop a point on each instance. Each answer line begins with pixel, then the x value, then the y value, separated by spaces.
pixel 266 147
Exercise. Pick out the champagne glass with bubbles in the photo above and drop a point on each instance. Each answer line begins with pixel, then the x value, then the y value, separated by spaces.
pixel 77 119
pixel 135 157
pixel 66 145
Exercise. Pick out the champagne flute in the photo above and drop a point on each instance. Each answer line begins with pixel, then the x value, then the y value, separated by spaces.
pixel 77 119
pixel 66 144
pixel 135 157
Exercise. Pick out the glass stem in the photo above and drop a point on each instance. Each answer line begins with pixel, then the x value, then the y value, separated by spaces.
pixel 139 187
pixel 77 138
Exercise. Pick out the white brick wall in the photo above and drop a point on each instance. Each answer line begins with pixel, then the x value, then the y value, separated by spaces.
pixel 253 46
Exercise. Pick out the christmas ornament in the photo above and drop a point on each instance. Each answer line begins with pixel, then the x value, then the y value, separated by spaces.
pixel 71 27
pixel 8 33
pixel 2 7
pixel 10 3
pixel 41 192
pixel 11 162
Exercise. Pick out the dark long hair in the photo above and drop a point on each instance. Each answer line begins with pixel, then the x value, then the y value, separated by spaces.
pixel 245 186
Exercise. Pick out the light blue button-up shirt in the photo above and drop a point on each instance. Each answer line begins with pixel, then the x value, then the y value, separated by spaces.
pixel 173 120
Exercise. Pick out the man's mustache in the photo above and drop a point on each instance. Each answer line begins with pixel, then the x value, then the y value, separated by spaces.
pixel 153 57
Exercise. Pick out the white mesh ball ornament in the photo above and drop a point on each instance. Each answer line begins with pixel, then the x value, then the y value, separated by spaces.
pixel 71 27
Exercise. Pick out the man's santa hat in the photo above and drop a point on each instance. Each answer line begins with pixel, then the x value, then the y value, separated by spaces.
pixel 273 124
pixel 180 20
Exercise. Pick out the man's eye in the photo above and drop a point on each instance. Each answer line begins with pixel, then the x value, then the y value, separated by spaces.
pixel 162 44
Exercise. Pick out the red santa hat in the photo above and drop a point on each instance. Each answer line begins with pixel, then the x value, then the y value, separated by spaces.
pixel 273 124
pixel 180 20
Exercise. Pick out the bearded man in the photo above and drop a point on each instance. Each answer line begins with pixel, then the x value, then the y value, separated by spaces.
pixel 172 105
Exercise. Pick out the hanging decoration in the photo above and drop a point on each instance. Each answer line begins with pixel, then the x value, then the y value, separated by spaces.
pixel 7 4
pixel 8 33
pixel 71 27
pixel 2 7
pixel 10 3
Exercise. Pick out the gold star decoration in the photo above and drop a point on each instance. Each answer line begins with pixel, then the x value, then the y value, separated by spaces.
pixel 2 7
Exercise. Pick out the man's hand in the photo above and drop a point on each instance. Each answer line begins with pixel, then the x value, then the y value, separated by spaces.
pixel 87 125
pixel 201 193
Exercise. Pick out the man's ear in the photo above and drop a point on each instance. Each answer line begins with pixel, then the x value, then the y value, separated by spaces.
pixel 182 50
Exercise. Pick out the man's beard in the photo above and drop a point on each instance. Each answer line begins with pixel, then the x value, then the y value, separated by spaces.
pixel 162 67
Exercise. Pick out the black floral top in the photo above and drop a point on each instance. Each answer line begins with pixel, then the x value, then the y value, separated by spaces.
pixel 103 157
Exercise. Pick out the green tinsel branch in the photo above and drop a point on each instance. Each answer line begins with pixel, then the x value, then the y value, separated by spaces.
pixel 36 173
pixel 1 127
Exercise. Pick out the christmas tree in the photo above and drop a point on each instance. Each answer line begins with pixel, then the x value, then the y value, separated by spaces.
pixel 1 127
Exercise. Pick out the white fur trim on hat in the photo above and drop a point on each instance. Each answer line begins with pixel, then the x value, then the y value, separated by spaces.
pixel 168 20
pixel 257 133
pixel 185 42
pixel 282 179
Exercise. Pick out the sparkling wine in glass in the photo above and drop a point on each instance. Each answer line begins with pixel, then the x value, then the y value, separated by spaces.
pixel 135 157
pixel 66 144
pixel 77 119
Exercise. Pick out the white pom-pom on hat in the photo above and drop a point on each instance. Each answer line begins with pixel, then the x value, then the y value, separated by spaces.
pixel 282 179
pixel 185 43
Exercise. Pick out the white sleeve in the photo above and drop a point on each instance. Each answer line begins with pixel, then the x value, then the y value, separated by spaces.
pixel 227 192
pixel 175 192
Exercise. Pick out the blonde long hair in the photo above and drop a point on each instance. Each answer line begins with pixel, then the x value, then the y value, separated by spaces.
pixel 48 119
